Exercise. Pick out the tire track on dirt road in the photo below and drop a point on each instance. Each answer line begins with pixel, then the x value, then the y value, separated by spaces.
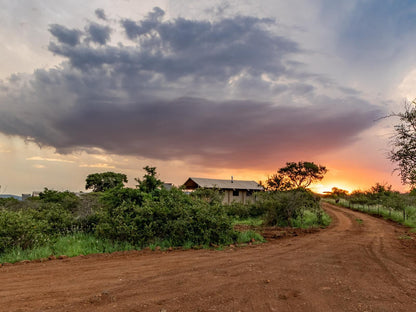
pixel 346 267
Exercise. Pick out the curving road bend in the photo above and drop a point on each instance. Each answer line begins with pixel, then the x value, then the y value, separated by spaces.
pixel 350 266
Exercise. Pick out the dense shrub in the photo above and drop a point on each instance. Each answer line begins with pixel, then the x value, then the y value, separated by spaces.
pixel 244 211
pixel 89 204
pixel 8 202
pixel 55 218
pixel 172 216
pixel 19 229
pixel 213 196
pixel 67 200
pixel 34 224
pixel 282 207
pixel 117 196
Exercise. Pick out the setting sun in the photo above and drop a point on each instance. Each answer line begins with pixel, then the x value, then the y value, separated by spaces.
pixel 322 188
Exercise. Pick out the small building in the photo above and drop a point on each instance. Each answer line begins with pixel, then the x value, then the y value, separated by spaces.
pixel 233 190
pixel 168 186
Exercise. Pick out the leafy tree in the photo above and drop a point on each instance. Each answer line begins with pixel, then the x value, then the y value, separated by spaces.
pixel 296 175
pixel 150 182
pixel 337 192
pixel 379 193
pixel 382 189
pixel 404 144
pixel 100 182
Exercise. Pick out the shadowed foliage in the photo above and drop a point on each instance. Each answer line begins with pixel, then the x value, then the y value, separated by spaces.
pixel 100 182
pixel 296 175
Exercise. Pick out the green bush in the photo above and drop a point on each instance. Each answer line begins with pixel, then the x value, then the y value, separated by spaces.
pixel 68 201
pixel 19 229
pixel 172 216
pixel 244 211
pixel 25 228
pixel 55 218
pixel 117 196
pixel 213 196
pixel 283 207
pixel 89 204
pixel 8 202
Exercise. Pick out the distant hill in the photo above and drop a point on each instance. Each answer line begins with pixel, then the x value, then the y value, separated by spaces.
pixel 10 196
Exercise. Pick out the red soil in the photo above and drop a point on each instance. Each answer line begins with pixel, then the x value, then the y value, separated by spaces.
pixel 347 267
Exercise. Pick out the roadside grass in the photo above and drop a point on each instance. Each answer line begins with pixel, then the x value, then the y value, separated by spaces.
pixel 311 220
pixel 382 211
pixel 68 245
pixel 249 236
pixel 84 244
pixel 359 221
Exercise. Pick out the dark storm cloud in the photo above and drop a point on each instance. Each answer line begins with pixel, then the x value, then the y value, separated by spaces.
pixel 175 93
pixel 100 14
pixel 98 33
pixel 179 48
pixel 152 20
pixel 65 35
pixel 233 133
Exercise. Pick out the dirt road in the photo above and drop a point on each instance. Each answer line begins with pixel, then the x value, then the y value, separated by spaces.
pixel 351 266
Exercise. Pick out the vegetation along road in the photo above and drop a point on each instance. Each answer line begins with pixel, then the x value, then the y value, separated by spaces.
pixel 359 263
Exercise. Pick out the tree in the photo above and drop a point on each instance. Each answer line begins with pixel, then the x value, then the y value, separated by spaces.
pixel 150 182
pixel 296 175
pixel 100 182
pixel 404 144
pixel 338 193
pixel 379 193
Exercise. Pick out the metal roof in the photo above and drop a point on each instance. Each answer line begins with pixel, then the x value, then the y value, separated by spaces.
pixel 227 184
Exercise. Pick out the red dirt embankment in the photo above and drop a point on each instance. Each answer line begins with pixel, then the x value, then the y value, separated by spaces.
pixel 351 266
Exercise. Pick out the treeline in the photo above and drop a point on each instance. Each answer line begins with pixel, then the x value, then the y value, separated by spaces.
pixel 381 200
pixel 147 214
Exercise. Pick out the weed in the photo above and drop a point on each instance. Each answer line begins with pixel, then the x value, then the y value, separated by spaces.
pixel 249 236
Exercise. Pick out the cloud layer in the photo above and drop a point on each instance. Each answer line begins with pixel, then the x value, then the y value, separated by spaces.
pixel 223 93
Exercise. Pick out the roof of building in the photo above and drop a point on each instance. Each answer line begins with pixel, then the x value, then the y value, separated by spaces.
pixel 225 184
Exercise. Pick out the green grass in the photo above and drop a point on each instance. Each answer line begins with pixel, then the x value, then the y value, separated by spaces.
pixel 69 245
pixel 84 244
pixel 310 220
pixel 163 245
pixel 248 236
pixel 359 221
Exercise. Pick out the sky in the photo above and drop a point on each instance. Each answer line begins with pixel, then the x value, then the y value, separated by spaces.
pixel 208 89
